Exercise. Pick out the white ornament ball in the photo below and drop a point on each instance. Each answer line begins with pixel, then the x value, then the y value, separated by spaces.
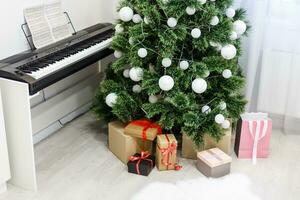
pixel 219 118
pixel 146 20
pixel 184 65
pixel 172 22
pixel 199 85
pixel 206 73
pixel 118 54
pixel 126 14
pixel 126 73
pixel 233 35
pixel 136 88
pixel 227 73
pixel 239 27
pixel 196 33
pixel 166 62
pixel 142 52
pixel 111 99
pixel 226 124
pixel 166 83
pixel 230 12
pixel 136 74
pixel 153 99
pixel 222 105
pixel 131 41
pixel 119 28
pixel 190 10
pixel 214 21
pixel 206 109
pixel 202 1
pixel 228 51
pixel 137 18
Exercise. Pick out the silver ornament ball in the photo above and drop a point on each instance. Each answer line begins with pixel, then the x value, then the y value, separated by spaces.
pixel 111 99
pixel 199 85
pixel 196 33
pixel 142 52
pixel 184 65
pixel 166 62
pixel 172 22
pixel 228 51
pixel 166 83
pixel 136 74
pixel 227 73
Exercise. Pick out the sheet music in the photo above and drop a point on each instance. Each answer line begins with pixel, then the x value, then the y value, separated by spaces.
pixel 47 23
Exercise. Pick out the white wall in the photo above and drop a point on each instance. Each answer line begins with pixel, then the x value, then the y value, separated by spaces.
pixel 83 14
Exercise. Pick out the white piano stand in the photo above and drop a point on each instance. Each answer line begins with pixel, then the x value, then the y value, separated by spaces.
pixel 22 123
pixel 4 162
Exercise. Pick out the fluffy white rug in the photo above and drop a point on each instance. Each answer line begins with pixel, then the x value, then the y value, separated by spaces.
pixel 231 187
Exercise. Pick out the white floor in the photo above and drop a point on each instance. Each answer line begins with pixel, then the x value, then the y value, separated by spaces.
pixel 75 164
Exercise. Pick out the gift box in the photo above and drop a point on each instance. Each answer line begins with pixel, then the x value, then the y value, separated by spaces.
pixel 166 150
pixel 213 163
pixel 189 149
pixel 123 146
pixel 141 164
pixel 144 129
pixel 253 136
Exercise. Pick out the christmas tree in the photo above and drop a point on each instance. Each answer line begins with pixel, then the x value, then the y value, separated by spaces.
pixel 177 64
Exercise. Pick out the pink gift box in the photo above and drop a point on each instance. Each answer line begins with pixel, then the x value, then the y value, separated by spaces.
pixel 253 136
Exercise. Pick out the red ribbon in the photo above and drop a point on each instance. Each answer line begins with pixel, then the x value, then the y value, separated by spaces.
pixel 146 124
pixel 144 156
pixel 167 152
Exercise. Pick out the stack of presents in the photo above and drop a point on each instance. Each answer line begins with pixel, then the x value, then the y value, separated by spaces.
pixel 141 145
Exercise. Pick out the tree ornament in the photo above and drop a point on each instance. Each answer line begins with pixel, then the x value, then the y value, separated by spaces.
pixel 137 18
pixel 146 20
pixel 142 52
pixel 136 74
pixel 184 65
pixel 119 28
pixel 131 41
pixel 118 54
pixel 153 99
pixel 233 35
pixel 227 73
pixel 222 105
pixel 228 51
pixel 230 12
pixel 199 85
pixel 206 109
pixel 219 118
pixel 166 62
pixel 111 99
pixel 226 124
pixel 202 1
pixel 196 33
pixel 172 22
pixel 190 10
pixel 126 73
pixel 137 88
pixel 166 83
pixel 206 74
pixel 239 27
pixel 214 21
pixel 126 14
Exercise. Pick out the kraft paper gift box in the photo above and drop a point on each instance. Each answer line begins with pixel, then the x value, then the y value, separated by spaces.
pixel 144 129
pixel 253 136
pixel 123 146
pixel 166 150
pixel 141 163
pixel 213 163
pixel 189 149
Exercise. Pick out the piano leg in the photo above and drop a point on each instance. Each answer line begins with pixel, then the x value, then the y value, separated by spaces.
pixel 17 115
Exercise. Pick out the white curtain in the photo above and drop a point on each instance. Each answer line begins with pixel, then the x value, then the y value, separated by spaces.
pixel 271 60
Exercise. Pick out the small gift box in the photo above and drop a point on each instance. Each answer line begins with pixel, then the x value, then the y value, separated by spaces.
pixel 141 164
pixel 166 150
pixel 144 129
pixel 123 146
pixel 253 136
pixel 189 149
pixel 213 163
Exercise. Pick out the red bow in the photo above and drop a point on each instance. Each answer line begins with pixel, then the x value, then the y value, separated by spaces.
pixel 146 124
pixel 144 156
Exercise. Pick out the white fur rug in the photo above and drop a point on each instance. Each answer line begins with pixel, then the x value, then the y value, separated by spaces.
pixel 231 187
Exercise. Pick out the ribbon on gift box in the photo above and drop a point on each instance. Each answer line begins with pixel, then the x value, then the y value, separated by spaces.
pixel 146 124
pixel 167 152
pixel 144 156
